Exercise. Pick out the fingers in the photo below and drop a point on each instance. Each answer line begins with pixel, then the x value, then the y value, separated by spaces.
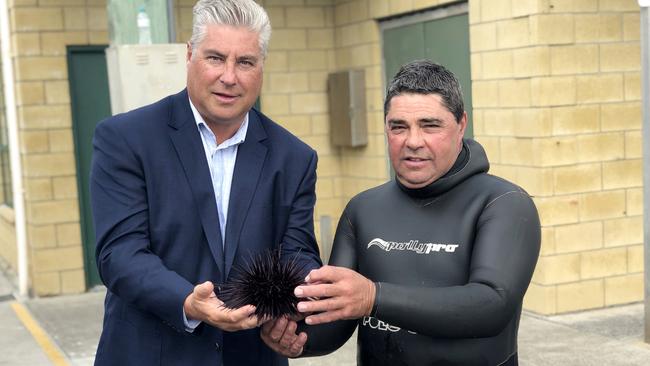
pixel 241 314
pixel 324 274
pixel 297 347
pixel 248 323
pixel 204 290
pixel 322 290
pixel 233 319
pixel 318 305
pixel 263 320
pixel 277 329
pixel 289 336
pixel 280 335
pixel 341 293
pixel 325 317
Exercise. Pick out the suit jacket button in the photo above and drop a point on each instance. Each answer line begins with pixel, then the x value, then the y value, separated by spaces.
pixel 217 346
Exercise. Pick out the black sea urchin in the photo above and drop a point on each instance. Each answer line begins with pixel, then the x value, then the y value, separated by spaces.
pixel 267 282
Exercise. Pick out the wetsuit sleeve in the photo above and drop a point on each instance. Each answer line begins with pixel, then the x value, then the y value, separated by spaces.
pixel 504 255
pixel 327 338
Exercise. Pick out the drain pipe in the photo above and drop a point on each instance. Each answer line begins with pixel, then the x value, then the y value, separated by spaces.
pixel 14 149
pixel 645 105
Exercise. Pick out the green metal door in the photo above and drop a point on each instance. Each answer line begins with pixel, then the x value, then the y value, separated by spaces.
pixel 402 45
pixel 90 101
pixel 443 40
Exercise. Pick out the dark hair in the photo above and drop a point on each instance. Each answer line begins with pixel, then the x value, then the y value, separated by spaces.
pixel 427 77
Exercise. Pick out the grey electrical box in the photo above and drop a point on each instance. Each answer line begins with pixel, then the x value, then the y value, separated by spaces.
pixel 347 107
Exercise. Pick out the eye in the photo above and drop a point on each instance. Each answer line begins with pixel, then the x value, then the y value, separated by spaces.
pixel 397 128
pixel 214 58
pixel 430 126
pixel 247 63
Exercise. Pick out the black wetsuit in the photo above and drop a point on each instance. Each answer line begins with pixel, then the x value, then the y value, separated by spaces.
pixel 451 263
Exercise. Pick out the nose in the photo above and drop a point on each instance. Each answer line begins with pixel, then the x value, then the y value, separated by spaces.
pixel 228 76
pixel 414 140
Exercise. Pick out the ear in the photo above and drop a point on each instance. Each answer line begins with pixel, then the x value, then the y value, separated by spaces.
pixel 188 56
pixel 462 124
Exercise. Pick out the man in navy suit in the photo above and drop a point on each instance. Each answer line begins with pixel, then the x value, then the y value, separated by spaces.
pixel 187 187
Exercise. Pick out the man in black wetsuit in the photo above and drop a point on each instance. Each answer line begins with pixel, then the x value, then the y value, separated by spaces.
pixel 432 266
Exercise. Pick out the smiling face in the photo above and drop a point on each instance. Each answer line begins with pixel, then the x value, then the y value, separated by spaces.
pixel 224 76
pixel 424 138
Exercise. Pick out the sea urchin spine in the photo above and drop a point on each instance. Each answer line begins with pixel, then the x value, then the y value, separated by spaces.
pixel 267 282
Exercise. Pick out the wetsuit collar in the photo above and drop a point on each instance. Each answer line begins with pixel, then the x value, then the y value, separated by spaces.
pixel 471 160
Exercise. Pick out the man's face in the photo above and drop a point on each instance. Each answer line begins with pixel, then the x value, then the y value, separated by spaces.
pixel 224 74
pixel 424 138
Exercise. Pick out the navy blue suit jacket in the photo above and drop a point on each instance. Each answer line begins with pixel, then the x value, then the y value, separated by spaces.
pixel 158 234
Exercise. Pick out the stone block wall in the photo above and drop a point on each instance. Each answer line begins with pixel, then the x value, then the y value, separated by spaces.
pixel 557 106
pixel 556 94
pixel 41 30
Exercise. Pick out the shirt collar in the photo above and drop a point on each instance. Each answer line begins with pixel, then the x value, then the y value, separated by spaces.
pixel 236 139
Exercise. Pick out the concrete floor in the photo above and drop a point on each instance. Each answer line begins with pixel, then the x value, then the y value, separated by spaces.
pixel 612 337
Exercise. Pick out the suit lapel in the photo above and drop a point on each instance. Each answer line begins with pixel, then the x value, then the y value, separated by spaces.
pixel 248 166
pixel 187 141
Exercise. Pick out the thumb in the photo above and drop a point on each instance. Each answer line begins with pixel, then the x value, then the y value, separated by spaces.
pixel 204 290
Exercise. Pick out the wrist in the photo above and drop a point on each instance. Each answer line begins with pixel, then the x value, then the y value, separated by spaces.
pixel 370 309
pixel 375 299
pixel 188 308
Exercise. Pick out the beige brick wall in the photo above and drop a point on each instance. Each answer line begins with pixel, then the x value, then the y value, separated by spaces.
pixel 301 54
pixel 40 32
pixel 556 105
pixel 312 38
pixel 556 94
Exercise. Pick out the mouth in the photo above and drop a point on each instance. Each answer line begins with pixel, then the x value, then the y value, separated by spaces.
pixel 225 97
pixel 414 162
pixel 414 159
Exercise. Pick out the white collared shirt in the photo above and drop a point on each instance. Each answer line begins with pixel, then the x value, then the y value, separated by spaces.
pixel 221 160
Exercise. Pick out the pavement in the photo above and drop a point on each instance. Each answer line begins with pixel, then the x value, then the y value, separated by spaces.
pixel 64 331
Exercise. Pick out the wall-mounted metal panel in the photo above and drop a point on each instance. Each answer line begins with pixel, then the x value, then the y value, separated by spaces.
pixel 142 74
pixel 347 107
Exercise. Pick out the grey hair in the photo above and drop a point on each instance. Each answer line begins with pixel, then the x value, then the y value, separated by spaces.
pixel 236 13
pixel 426 77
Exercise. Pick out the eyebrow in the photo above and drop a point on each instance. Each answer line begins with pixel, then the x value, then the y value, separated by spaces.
pixel 435 120
pixel 248 58
pixel 220 54
pixel 421 120
pixel 393 121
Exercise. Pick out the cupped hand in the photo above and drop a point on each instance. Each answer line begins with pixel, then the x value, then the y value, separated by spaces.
pixel 204 305
pixel 280 335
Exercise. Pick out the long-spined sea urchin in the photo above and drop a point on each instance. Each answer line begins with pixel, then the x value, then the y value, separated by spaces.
pixel 267 282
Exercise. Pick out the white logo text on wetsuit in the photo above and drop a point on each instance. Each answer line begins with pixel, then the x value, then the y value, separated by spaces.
pixel 374 323
pixel 413 245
